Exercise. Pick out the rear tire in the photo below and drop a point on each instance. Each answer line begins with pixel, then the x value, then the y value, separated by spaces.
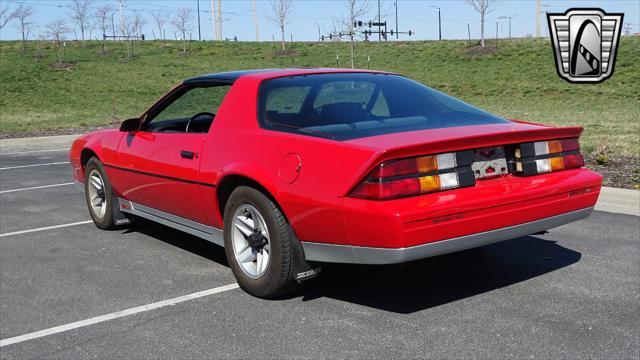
pixel 259 244
pixel 99 195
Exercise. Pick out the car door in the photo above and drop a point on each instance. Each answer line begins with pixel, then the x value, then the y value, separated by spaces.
pixel 162 160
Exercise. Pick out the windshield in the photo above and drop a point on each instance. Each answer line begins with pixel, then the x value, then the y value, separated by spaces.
pixel 353 105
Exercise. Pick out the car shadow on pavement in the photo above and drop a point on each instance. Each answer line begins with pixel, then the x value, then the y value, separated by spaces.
pixel 180 240
pixel 410 287
pixel 419 285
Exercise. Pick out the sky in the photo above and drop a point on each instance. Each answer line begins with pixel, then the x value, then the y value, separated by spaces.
pixel 311 16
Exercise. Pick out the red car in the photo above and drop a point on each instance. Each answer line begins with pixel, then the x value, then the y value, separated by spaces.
pixel 288 169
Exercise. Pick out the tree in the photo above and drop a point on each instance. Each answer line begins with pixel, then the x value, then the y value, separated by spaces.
pixel 138 22
pixel 102 14
pixel 129 28
pixel 356 9
pixel 22 14
pixel 182 22
pixel 80 13
pixel 483 7
pixel 5 16
pixel 57 29
pixel 160 21
pixel 280 15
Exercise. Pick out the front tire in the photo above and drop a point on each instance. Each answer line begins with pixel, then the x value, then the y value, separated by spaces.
pixel 258 242
pixel 99 195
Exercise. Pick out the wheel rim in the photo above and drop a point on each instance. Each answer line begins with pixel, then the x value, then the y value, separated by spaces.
pixel 250 241
pixel 97 194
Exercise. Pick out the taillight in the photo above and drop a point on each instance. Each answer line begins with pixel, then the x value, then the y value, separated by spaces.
pixel 418 175
pixel 548 156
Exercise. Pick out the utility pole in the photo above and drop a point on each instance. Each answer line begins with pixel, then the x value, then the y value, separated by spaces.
pixel 397 35
pixel 379 21
pixel 122 5
pixel 220 19
pixel 213 19
pixel 199 32
pixel 255 20
pixel 537 18
pixel 439 22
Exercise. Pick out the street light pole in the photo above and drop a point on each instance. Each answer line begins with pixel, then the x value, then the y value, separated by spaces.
pixel 319 35
pixel 439 22
pixel 509 17
pixel 396 3
pixel 199 32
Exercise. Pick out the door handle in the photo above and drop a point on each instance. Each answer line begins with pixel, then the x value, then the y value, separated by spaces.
pixel 188 154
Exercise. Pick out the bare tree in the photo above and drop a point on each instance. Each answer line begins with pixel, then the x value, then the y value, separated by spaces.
pixel 160 21
pixel 182 22
pixel 80 14
pixel 356 9
pixel 5 15
pixel 129 28
pixel 102 15
pixel 57 29
pixel 22 14
pixel 138 22
pixel 483 7
pixel 280 15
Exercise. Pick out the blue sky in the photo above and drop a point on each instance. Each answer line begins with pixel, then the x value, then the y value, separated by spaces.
pixel 415 15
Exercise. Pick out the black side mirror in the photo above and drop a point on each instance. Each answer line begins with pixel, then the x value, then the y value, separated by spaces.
pixel 130 125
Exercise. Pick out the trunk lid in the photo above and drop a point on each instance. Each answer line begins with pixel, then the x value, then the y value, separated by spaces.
pixel 433 141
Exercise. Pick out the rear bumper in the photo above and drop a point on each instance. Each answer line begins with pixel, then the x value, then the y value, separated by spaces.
pixel 377 256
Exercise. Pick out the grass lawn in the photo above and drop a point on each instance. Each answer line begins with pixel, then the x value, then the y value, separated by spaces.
pixel 518 81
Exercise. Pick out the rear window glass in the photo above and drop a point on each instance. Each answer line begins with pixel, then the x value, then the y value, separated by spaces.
pixel 352 105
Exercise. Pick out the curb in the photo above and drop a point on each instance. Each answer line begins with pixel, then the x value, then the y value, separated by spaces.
pixel 620 201
pixel 36 143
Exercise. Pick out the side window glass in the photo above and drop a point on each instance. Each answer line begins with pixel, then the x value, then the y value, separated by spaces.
pixel 178 116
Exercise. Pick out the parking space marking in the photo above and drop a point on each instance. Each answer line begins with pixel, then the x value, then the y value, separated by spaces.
pixel 33 165
pixel 115 315
pixel 32 152
pixel 35 188
pixel 45 228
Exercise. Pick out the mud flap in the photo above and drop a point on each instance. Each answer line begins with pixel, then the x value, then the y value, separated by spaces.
pixel 119 218
pixel 302 269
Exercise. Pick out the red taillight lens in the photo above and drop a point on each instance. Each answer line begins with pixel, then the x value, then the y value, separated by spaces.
pixel 415 176
pixel 573 161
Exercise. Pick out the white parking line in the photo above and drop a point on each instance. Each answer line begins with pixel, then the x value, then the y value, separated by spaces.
pixel 33 165
pixel 45 228
pixel 35 188
pixel 115 315
pixel 32 151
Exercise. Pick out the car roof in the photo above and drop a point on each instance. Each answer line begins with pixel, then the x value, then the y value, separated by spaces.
pixel 230 77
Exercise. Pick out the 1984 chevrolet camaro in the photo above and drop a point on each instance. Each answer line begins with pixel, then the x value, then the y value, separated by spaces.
pixel 291 168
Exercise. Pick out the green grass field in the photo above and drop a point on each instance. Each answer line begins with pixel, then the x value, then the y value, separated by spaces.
pixel 517 81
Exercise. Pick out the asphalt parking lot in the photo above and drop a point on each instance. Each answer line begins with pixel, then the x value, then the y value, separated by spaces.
pixel 571 293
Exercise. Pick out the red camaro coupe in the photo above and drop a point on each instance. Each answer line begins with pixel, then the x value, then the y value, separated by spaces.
pixel 291 168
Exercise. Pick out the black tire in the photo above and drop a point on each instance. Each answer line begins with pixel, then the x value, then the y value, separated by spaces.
pixel 107 221
pixel 279 278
